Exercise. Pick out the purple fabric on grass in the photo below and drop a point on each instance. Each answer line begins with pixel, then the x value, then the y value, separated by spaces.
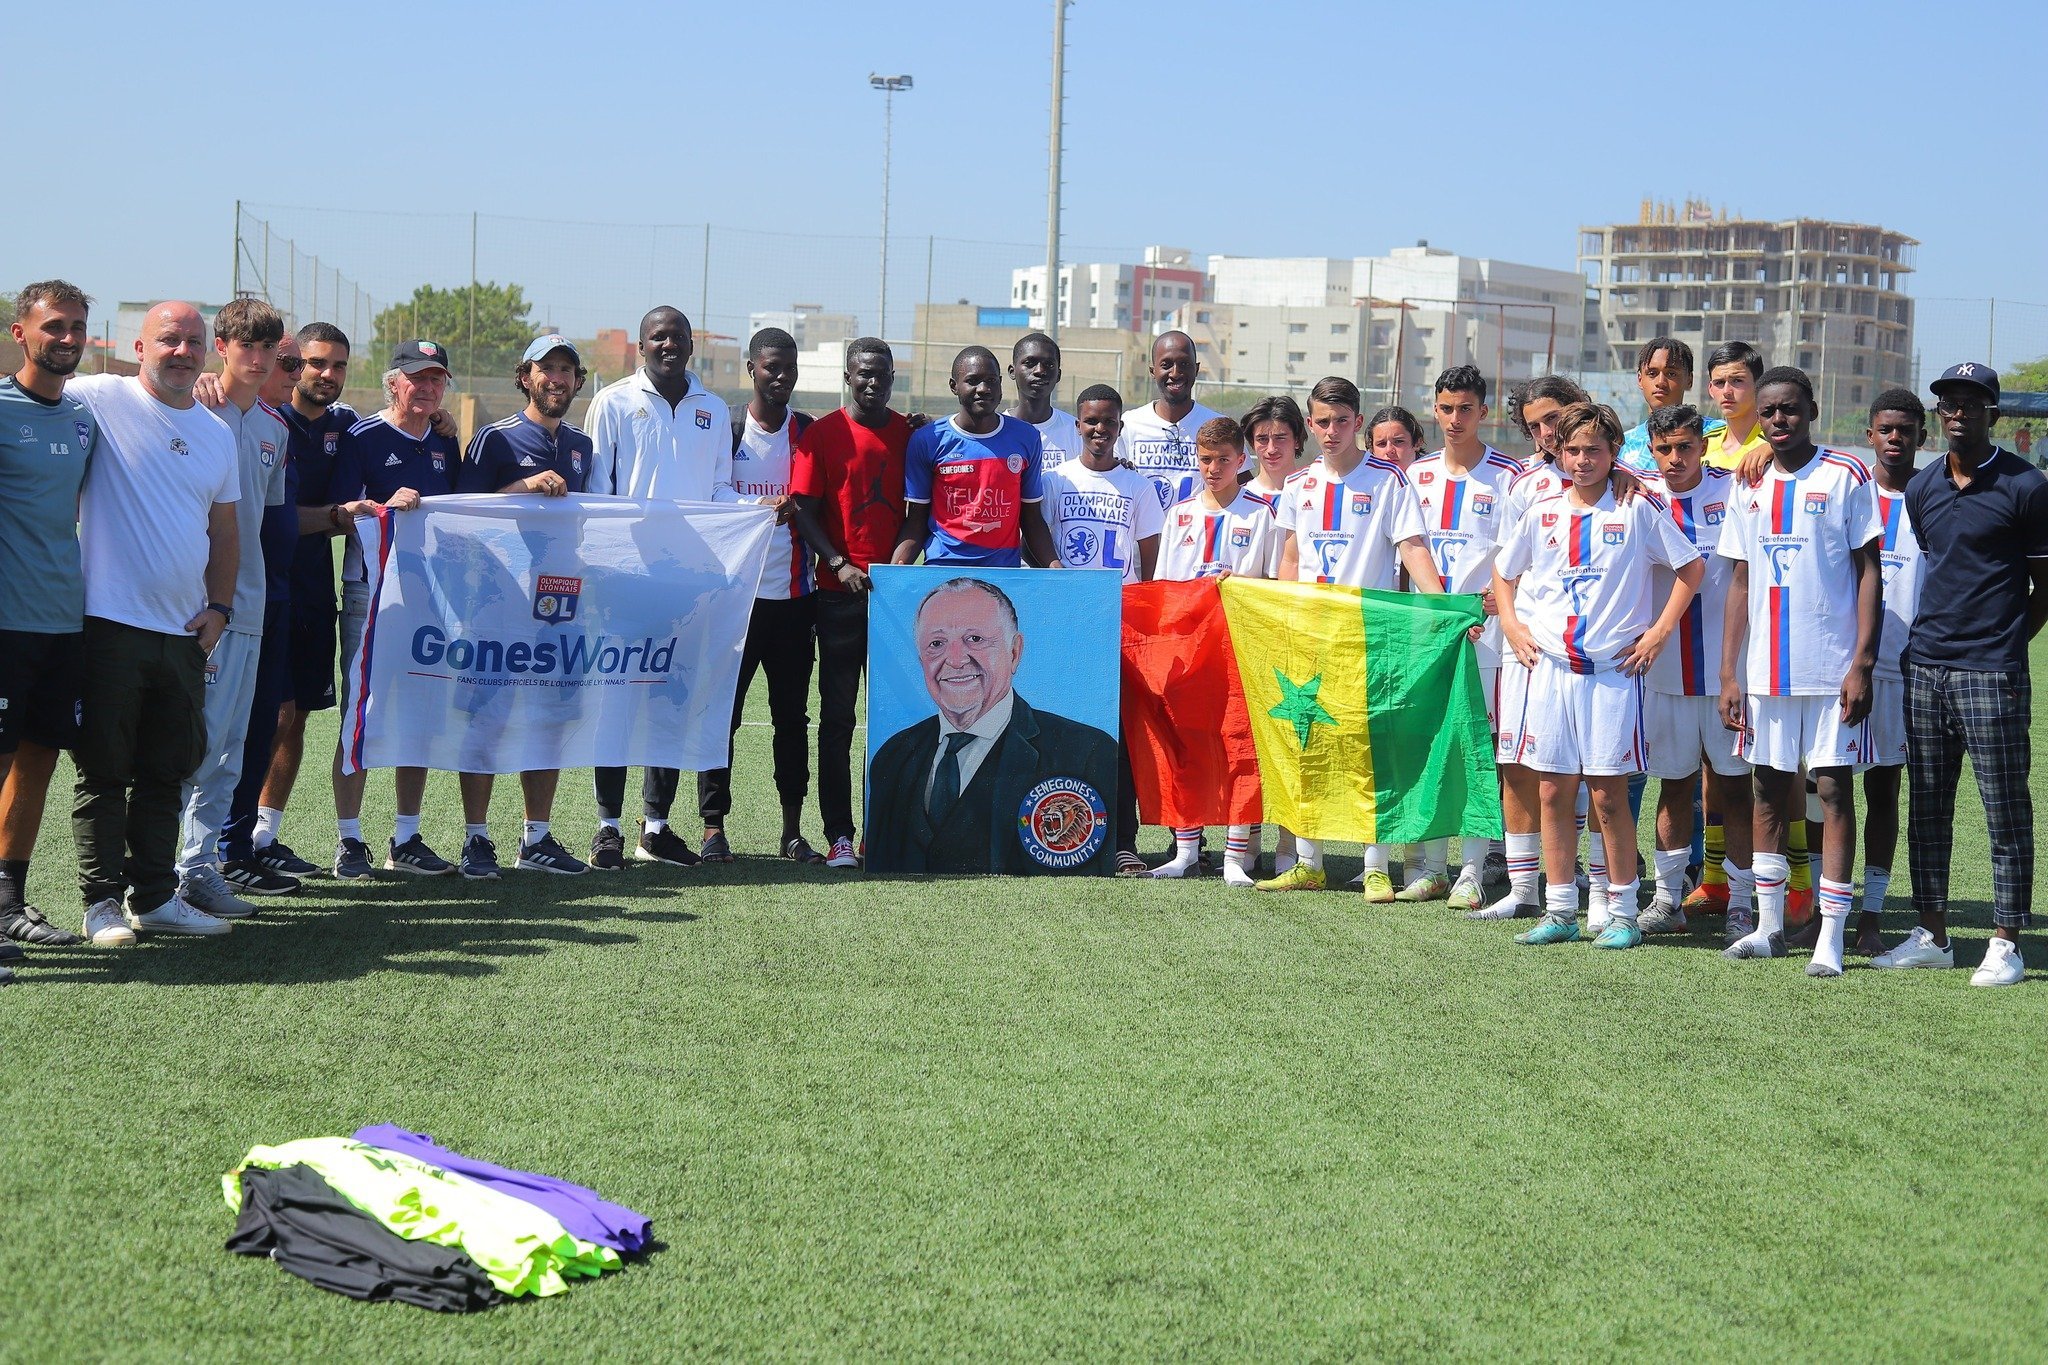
pixel 577 1209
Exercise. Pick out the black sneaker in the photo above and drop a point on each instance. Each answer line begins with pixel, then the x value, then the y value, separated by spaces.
pixel 352 861
pixel 278 857
pixel 665 846
pixel 607 849
pixel 479 859
pixel 546 854
pixel 415 857
pixel 11 952
pixel 252 878
pixel 27 925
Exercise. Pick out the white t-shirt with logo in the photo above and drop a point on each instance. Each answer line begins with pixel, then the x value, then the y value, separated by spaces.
pixel 1465 515
pixel 147 503
pixel 1163 451
pixel 1060 435
pixel 760 470
pixel 1587 589
pixel 1097 517
pixel 1244 538
pixel 1346 529
pixel 1798 533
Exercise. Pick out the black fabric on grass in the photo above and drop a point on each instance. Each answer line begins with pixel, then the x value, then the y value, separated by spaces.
pixel 295 1218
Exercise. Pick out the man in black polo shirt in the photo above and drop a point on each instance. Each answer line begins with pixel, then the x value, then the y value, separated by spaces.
pixel 1981 516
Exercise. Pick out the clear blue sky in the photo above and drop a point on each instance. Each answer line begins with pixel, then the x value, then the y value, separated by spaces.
pixel 1269 128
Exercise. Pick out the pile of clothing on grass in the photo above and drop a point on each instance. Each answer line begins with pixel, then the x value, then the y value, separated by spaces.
pixel 392 1215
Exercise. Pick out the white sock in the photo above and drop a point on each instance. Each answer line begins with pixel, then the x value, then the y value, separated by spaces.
pixel 1671 875
pixel 653 826
pixel 1621 901
pixel 1241 846
pixel 403 827
pixel 536 830
pixel 1876 881
pixel 1187 851
pixel 350 829
pixel 607 822
pixel 1562 902
pixel 268 821
pixel 478 831
pixel 1375 859
pixel 1525 863
pixel 1596 860
pixel 1473 858
pixel 1309 852
pixel 1434 860
pixel 1833 900
pixel 1741 886
pixel 1773 870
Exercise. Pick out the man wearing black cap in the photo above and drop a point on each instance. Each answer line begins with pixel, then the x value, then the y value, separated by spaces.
pixel 1981 516
pixel 391 459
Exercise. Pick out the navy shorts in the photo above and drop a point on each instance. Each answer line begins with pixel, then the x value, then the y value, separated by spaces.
pixel 42 678
pixel 316 635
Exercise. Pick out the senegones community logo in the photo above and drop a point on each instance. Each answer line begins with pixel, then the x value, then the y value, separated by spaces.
pixel 1062 822
pixel 554 598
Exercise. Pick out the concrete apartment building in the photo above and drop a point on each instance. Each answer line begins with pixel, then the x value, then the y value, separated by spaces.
pixel 1388 323
pixel 1134 298
pixel 1828 297
pixel 808 323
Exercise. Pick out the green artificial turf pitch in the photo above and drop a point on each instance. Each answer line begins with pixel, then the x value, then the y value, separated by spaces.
pixel 987 1118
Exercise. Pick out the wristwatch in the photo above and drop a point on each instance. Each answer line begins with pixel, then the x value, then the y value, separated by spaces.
pixel 227 614
pixel 837 562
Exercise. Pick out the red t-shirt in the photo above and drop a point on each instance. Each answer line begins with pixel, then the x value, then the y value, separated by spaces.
pixel 857 474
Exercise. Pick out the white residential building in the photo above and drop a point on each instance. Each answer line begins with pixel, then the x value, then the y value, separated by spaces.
pixel 1135 298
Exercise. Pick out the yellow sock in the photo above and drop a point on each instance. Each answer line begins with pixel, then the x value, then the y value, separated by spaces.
pixel 1714 874
pixel 1795 853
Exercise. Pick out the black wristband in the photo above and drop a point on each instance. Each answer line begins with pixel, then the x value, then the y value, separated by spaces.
pixel 227 614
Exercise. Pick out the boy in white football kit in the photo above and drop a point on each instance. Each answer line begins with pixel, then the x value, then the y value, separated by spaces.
pixel 1684 701
pixel 1103 515
pixel 1220 531
pixel 1804 600
pixel 1586 621
pixel 1353 520
pixel 1898 427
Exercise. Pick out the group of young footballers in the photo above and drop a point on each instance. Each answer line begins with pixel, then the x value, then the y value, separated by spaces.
pixel 1718 603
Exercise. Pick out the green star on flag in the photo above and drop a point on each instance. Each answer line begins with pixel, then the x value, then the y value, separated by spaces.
pixel 1299 707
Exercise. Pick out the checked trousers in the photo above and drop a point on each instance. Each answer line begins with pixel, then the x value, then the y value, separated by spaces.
pixel 1951 712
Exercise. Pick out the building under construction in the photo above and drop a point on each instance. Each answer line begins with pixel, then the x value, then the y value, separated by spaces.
pixel 1827 297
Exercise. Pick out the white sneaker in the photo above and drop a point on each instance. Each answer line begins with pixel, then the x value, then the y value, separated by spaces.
pixel 207 891
pixel 2002 965
pixel 1919 950
pixel 176 916
pixel 1233 875
pixel 107 927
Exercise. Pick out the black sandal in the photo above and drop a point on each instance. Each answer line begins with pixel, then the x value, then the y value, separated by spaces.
pixel 797 850
pixel 715 849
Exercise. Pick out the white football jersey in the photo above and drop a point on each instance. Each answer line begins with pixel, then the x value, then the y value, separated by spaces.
pixel 1798 533
pixel 1163 451
pixel 1097 517
pixel 1587 588
pixel 1690 665
pixel 1346 530
pixel 1244 538
pixel 1465 515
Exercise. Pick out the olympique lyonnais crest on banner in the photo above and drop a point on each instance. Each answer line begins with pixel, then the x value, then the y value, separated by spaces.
pixel 554 598
pixel 509 634
pixel 992 720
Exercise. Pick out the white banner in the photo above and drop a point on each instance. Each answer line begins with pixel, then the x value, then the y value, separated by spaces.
pixel 513 633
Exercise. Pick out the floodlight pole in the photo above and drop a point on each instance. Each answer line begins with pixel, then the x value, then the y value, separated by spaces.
pixel 888 85
pixel 1052 189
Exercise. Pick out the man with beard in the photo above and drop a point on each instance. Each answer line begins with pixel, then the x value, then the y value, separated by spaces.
pixel 1158 439
pixel 1035 366
pixel 160 549
pixel 657 433
pixel 531 452
pixel 47 438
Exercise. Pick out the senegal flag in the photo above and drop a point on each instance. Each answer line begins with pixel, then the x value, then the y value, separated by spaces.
pixel 1366 710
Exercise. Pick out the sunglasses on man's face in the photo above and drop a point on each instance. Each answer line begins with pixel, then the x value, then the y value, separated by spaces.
pixel 290 364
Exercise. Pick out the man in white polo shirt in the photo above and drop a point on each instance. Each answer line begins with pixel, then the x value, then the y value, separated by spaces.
pixel 658 433
pixel 157 533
